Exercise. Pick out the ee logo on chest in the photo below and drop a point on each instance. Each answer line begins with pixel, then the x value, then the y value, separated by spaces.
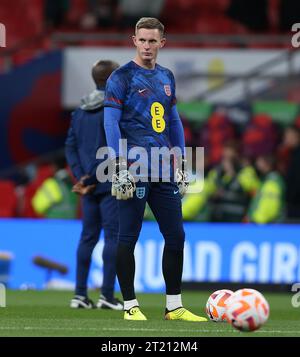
pixel 157 114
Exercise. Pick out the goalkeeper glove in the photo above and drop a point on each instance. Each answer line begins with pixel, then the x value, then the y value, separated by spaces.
pixel 182 178
pixel 123 185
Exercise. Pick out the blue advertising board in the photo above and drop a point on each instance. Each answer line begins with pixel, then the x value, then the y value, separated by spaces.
pixel 213 253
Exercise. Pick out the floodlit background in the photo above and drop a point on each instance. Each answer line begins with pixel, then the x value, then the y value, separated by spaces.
pixel 238 92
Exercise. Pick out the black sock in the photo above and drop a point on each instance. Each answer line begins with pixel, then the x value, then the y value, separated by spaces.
pixel 126 270
pixel 172 265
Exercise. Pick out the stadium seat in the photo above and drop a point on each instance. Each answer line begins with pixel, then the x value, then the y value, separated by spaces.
pixel 218 24
pixel 215 133
pixel 77 10
pixel 22 22
pixel 8 202
pixel 260 136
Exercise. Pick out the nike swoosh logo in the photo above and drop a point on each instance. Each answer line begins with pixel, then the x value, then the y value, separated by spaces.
pixel 142 90
pixel 175 192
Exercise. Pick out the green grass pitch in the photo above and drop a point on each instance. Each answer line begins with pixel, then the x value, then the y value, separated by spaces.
pixel 46 313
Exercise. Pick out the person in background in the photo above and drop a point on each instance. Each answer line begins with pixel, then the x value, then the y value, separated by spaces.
pixel 227 190
pixel 268 206
pixel 86 135
pixel 54 199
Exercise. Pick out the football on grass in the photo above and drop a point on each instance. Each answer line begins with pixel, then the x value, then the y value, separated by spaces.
pixel 216 305
pixel 247 310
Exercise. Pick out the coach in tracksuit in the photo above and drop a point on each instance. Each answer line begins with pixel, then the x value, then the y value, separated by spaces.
pixel 85 136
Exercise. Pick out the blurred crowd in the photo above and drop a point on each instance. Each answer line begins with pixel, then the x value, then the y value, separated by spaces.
pixel 251 175
pixel 30 28
pixel 39 190
pixel 195 15
pixel 93 14
pixel 252 171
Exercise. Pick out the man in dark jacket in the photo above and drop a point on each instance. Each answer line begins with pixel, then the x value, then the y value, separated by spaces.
pixel 86 135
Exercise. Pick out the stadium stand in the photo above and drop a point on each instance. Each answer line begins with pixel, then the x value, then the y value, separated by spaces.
pixel 8 202
pixel 260 137
pixel 214 134
pixel 199 19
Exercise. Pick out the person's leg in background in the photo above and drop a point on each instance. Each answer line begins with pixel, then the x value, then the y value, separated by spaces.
pixel 89 237
pixel 108 207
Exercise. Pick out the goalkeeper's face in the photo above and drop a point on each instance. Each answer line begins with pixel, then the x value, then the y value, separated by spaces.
pixel 147 43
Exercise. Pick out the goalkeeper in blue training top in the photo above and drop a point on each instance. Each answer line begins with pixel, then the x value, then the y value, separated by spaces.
pixel 140 106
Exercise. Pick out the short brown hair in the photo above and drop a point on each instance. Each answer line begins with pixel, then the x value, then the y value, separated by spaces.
pixel 150 23
pixel 102 69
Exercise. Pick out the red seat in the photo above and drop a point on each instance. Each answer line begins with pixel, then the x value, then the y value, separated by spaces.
pixel 260 136
pixel 22 21
pixel 215 133
pixel 77 10
pixel 8 202
pixel 218 24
